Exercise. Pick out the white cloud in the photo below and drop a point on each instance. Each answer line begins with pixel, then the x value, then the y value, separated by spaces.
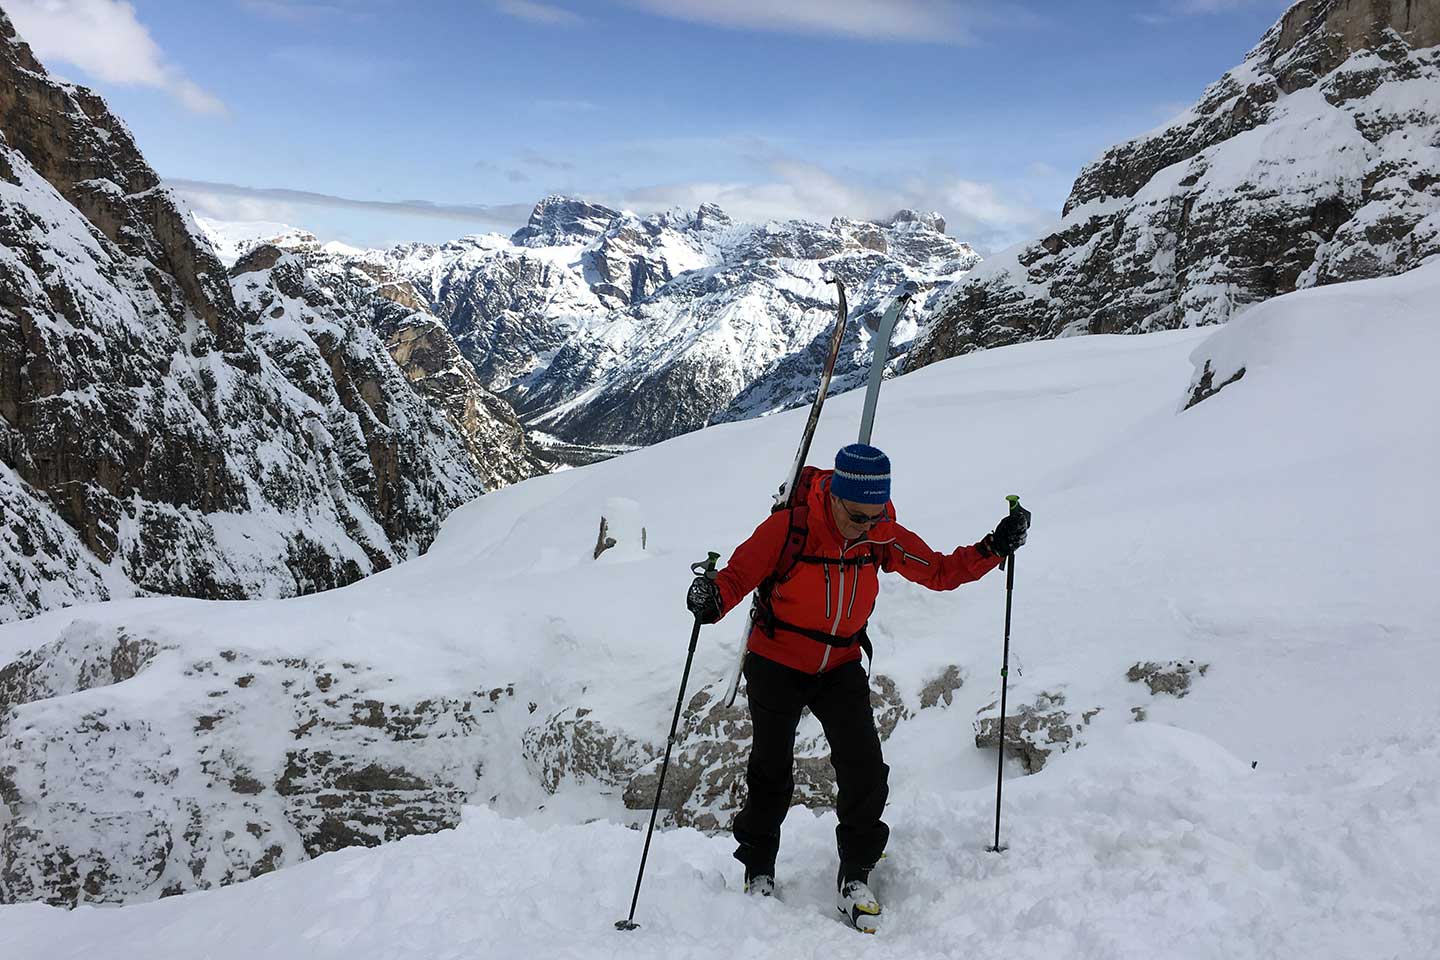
pixel 931 21
pixel 981 214
pixel 269 203
pixel 230 207
pixel 539 12
pixel 104 39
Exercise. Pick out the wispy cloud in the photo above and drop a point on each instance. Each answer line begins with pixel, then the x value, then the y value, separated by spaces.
pixel 545 13
pixel 566 106
pixel 985 215
pixel 202 194
pixel 104 39
pixel 924 21
pixel 534 158
pixel 335 65
pixel 308 11
pixel 1172 10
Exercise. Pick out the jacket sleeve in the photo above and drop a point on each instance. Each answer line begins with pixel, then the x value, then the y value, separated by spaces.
pixel 913 559
pixel 753 560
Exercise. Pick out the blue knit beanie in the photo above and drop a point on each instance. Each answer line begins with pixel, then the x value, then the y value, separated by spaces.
pixel 862 474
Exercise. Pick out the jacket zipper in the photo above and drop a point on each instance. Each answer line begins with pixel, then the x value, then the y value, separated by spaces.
pixel 911 556
pixel 839 607
pixel 840 595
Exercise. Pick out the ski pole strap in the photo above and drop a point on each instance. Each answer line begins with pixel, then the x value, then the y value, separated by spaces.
pixel 706 567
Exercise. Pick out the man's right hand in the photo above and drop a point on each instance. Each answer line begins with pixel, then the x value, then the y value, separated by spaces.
pixel 703 600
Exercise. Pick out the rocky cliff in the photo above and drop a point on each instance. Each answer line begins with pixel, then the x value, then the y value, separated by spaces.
pixel 1316 160
pixel 157 437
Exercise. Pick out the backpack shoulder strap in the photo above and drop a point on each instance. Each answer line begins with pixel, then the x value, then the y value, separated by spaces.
pixel 799 503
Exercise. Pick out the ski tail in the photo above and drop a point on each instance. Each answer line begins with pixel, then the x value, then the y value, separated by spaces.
pixel 787 489
pixel 903 292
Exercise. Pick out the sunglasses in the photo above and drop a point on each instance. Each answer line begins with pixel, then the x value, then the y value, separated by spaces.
pixel 862 519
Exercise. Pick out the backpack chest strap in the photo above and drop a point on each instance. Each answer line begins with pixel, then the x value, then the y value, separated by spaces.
pixel 863 560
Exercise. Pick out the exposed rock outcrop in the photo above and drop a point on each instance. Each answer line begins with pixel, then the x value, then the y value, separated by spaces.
pixel 1034 730
pixel 704 784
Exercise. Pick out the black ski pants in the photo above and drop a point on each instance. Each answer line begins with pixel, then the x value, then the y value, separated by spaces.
pixel 840 700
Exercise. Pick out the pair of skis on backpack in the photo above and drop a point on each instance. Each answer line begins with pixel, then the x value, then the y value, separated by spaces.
pixel 788 496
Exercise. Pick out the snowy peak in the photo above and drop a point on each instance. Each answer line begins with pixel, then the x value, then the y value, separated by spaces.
pixel 562 221
pixel 930 221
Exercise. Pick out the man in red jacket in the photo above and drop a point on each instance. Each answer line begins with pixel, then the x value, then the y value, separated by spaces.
pixel 804 651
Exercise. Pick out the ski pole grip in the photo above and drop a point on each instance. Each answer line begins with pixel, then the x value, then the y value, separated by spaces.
pixel 1014 502
pixel 705 568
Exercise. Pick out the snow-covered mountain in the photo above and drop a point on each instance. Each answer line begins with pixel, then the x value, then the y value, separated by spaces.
pixel 603 327
pixel 1222 668
pixel 293 282
pixel 1316 160
pixel 158 437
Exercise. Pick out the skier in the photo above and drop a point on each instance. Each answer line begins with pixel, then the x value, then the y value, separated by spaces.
pixel 815 570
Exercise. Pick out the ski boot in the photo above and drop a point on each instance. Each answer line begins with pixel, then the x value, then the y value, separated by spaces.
pixel 855 900
pixel 760 882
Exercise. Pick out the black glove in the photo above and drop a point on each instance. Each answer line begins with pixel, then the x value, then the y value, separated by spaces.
pixel 1009 534
pixel 703 600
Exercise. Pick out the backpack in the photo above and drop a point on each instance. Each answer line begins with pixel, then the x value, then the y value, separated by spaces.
pixel 792 554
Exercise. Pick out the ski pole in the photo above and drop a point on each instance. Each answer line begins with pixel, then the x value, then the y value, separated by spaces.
pixel 1004 679
pixel 704 568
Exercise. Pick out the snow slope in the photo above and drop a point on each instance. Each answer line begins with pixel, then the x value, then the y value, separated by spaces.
pixel 1282 531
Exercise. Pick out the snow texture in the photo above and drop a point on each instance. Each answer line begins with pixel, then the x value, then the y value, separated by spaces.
pixel 1282 531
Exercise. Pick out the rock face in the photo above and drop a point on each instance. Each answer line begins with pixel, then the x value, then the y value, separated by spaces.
pixel 705 782
pixel 257 763
pixel 602 327
pixel 344 310
pixel 158 437
pixel 1317 160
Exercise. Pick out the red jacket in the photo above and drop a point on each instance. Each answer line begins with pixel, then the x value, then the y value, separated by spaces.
pixel 835 600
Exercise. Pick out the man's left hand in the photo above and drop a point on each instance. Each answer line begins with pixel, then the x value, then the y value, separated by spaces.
pixel 1010 533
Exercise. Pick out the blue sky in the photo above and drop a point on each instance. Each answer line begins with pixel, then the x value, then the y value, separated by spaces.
pixel 377 121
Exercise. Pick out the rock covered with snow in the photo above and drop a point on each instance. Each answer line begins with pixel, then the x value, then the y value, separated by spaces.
pixel 1317 160
pixel 1034 728
pixel 259 762
pixel 345 311
pixel 157 437
pixel 560 221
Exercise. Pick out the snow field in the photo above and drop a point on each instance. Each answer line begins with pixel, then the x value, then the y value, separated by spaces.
pixel 1158 844
pixel 1282 531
